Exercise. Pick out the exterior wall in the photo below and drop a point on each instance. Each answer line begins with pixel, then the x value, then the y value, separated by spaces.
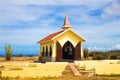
pixel 54 52
pixel 82 54
pixel 70 36
pixel 62 39
pixel 46 58
pixel 78 51
pixel 58 52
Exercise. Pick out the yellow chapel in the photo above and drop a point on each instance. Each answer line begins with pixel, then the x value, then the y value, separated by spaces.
pixel 62 45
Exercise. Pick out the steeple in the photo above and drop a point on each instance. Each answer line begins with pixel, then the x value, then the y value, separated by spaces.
pixel 66 24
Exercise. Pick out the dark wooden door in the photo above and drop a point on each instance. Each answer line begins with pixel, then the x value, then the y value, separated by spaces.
pixel 68 50
pixel 78 52
pixel 58 51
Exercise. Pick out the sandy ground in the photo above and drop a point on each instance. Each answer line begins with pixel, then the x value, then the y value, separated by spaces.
pixel 24 58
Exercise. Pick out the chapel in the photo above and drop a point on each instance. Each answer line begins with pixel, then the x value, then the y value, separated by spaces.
pixel 62 45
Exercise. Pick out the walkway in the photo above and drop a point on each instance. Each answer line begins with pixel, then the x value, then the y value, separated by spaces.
pixel 74 70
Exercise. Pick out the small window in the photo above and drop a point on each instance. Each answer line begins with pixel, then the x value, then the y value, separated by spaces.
pixel 46 50
pixel 50 51
pixel 43 51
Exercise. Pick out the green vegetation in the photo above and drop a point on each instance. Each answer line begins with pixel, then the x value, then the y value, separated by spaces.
pixel 8 50
pixel 100 55
pixel 112 75
pixel 86 52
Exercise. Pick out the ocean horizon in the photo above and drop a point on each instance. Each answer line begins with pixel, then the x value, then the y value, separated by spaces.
pixel 34 49
pixel 24 50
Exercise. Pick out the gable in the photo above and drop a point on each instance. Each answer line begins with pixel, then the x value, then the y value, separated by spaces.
pixel 68 35
pixel 63 35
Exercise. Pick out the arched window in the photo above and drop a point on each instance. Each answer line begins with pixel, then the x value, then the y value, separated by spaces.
pixel 43 51
pixel 46 50
pixel 50 51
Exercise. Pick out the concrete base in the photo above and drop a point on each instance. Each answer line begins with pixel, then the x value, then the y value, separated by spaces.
pixel 48 59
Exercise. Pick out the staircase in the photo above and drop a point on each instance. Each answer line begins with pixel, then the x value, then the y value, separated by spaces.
pixel 74 70
pixel 80 71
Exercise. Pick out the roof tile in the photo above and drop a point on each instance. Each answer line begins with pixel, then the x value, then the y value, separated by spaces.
pixel 49 37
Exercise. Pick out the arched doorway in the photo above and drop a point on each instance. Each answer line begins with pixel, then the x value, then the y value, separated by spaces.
pixel 68 50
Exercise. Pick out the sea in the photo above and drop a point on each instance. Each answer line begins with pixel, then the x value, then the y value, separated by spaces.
pixel 22 50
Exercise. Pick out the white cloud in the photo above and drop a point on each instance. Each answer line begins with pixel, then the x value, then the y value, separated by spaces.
pixel 112 10
pixel 20 10
pixel 24 36
pixel 99 48
pixel 100 34
pixel 11 11
pixel 61 2
pixel 117 46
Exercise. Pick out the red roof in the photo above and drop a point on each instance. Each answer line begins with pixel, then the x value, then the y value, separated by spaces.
pixel 49 37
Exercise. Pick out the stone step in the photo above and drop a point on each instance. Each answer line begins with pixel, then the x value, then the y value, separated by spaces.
pixel 81 68
pixel 87 71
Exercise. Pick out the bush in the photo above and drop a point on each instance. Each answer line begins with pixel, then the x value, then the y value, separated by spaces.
pixel 8 50
pixel 6 78
pixel 113 57
pixel 98 57
pixel 86 52
pixel 20 55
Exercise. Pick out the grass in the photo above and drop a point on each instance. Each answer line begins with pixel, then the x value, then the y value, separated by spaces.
pixel 111 75
pixel 23 58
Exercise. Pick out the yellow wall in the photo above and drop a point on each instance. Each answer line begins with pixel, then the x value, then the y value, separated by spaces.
pixel 68 36
pixel 62 39
pixel 101 67
pixel 48 44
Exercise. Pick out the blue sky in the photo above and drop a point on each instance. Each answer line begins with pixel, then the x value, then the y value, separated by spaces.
pixel 24 22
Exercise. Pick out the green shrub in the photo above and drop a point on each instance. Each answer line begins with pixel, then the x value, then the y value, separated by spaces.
pixel 115 75
pixel 86 52
pixel 111 75
pixel 16 68
pixel 20 55
pixel 8 50
pixel 6 78
pixel 17 77
pixel 98 57
pixel 113 57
